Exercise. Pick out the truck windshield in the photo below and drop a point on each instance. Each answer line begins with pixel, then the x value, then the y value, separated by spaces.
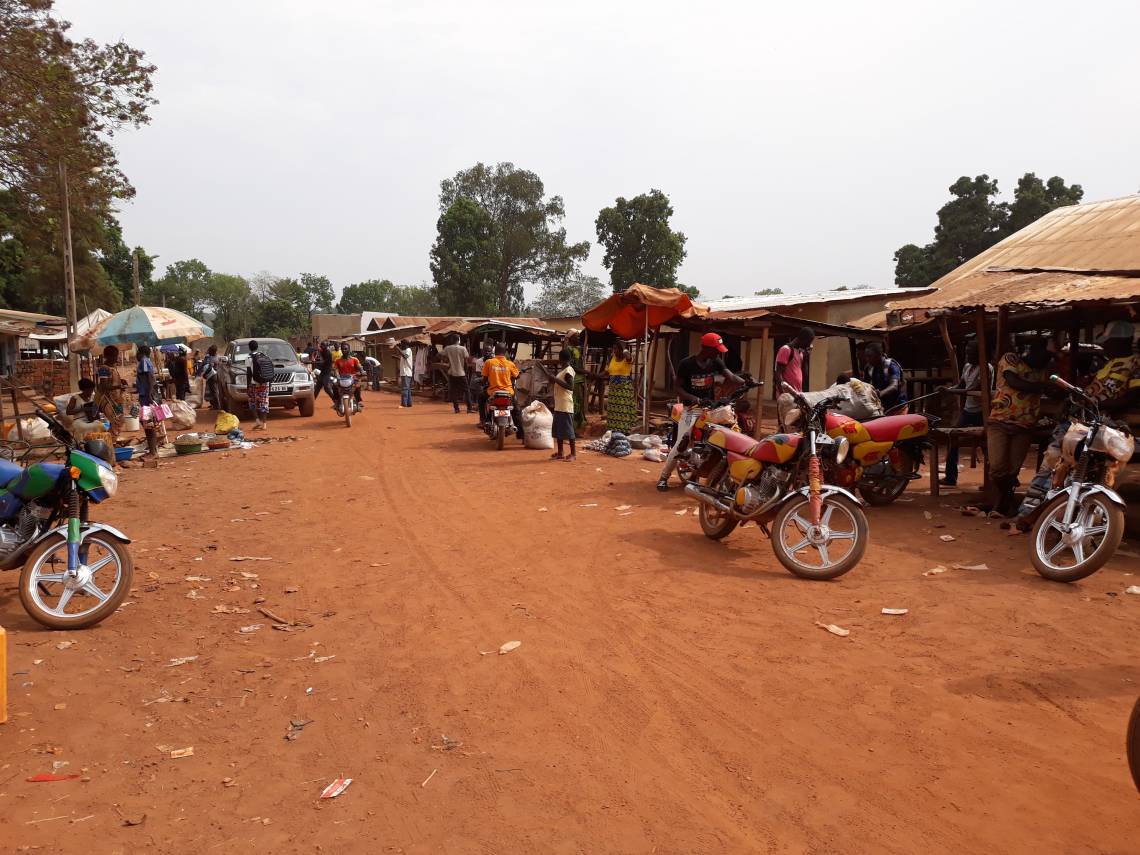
pixel 278 351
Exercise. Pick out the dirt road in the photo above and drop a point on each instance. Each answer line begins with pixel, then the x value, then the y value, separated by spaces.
pixel 671 694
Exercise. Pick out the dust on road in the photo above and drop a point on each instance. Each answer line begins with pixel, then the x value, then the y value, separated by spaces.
pixel 670 694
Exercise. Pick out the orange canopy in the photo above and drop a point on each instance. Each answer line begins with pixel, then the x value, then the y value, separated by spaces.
pixel 625 313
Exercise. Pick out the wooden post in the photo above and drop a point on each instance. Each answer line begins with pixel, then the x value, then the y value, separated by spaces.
pixel 1074 348
pixel 854 347
pixel 1000 346
pixel 983 365
pixel 953 354
pixel 650 362
pixel 763 363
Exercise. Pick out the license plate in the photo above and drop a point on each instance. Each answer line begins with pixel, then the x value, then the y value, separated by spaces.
pixel 501 413
pixel 279 387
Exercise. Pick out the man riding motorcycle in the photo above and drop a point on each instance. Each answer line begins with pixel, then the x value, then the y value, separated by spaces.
pixel 349 366
pixel 499 374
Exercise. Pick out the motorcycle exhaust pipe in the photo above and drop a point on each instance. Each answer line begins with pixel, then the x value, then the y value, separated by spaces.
pixel 704 494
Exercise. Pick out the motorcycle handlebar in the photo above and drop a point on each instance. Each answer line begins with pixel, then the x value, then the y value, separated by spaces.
pixel 1068 387
pixel 733 398
pixel 56 429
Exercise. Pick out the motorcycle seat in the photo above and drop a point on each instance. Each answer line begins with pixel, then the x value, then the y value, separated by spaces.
pixel 731 441
pixel 8 471
pixel 897 428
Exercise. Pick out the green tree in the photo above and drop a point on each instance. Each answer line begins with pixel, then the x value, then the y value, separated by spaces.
pixel 768 292
pixel 465 260
pixel 974 220
pixel 372 295
pixel 522 227
pixel 183 286
pixel 1034 198
pixel 319 294
pixel 64 99
pixel 231 306
pixel 640 246
pixel 416 300
pixel 283 311
pixel 569 298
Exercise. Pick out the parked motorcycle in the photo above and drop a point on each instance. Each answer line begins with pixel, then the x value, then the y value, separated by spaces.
pixel 75 572
pixel 689 425
pixel 345 402
pixel 1080 521
pixel 778 481
pixel 500 419
pixel 885 456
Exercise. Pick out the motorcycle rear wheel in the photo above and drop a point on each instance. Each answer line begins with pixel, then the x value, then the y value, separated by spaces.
pixel 716 524
pixel 793 519
pixel 47 563
pixel 1100 516
pixel 500 436
pixel 1132 743
pixel 879 494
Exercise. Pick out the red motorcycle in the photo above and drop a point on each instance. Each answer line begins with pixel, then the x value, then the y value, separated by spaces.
pixel 818 530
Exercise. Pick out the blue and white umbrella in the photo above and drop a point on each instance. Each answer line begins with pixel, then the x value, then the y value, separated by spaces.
pixel 153 325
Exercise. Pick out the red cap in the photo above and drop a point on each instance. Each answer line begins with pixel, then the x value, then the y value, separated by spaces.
pixel 711 339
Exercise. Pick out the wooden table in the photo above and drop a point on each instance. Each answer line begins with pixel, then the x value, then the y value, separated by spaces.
pixel 974 437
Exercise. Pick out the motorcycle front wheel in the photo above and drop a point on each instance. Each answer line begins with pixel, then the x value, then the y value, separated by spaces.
pixel 1132 744
pixel 346 408
pixel 716 524
pixel 1062 555
pixel 826 551
pixel 53 601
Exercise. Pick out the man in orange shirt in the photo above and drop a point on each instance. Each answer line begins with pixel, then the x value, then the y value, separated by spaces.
pixel 499 374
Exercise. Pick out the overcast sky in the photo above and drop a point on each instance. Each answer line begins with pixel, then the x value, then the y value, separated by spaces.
pixel 800 143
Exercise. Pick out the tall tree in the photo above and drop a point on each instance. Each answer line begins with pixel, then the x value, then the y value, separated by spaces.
pixel 183 286
pixel 569 298
pixel 640 246
pixel 372 295
pixel 1034 198
pixel 231 306
pixel 974 220
pixel 523 227
pixel 465 260
pixel 283 311
pixel 319 294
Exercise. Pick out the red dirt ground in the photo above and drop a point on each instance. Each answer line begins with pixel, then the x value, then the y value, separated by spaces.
pixel 671 694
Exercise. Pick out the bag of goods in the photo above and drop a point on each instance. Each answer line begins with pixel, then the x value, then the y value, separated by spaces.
pixel 860 402
pixel 618 446
pixel 35 429
pixel 225 422
pixel 182 415
pixel 537 424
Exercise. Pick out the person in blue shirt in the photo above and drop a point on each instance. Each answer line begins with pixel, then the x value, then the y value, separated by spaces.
pixel 885 374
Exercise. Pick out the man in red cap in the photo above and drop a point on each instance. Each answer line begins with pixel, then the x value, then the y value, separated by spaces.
pixel 696 376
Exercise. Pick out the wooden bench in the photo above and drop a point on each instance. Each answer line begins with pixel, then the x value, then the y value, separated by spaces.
pixel 966 437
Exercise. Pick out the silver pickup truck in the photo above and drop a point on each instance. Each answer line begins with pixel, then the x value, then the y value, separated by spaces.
pixel 292 386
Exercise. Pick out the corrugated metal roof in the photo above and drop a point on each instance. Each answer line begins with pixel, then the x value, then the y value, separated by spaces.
pixel 1081 253
pixel 737 305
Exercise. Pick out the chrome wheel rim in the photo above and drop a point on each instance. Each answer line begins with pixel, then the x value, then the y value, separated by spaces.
pixel 818 547
pixel 73 596
pixel 1063 548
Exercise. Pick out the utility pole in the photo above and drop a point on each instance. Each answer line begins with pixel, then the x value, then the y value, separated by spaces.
pixel 69 280
pixel 135 276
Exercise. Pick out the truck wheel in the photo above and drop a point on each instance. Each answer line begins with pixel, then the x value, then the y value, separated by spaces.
pixel 306 407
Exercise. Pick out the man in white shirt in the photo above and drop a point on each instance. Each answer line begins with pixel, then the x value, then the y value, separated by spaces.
pixel 375 371
pixel 971 413
pixel 406 364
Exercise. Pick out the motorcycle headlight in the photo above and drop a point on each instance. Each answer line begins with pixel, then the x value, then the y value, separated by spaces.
pixel 109 480
pixel 842 447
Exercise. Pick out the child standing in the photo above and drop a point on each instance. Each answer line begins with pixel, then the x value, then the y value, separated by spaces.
pixel 563 428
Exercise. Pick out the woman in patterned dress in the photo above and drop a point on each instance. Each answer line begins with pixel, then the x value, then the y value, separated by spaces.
pixel 621 399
